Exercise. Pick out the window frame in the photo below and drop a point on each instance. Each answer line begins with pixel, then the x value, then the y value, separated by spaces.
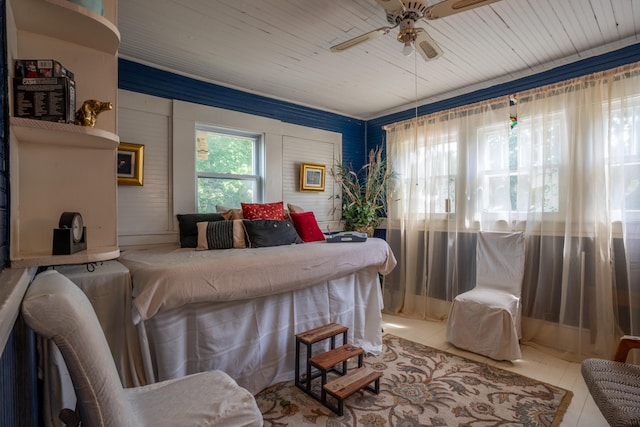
pixel 257 162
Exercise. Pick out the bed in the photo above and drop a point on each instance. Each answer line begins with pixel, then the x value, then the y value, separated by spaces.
pixel 238 310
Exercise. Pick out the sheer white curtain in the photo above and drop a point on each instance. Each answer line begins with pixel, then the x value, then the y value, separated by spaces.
pixel 562 164
pixel 438 200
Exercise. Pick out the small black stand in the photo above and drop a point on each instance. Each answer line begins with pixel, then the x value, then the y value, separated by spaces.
pixel 63 243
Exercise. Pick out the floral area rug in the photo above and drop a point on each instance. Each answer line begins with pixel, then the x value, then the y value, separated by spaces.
pixel 422 386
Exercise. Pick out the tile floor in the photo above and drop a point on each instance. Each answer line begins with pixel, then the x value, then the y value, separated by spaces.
pixel 536 364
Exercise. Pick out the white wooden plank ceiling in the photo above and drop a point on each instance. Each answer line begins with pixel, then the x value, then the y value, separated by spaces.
pixel 280 48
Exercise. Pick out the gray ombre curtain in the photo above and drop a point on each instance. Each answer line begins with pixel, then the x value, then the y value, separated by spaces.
pixel 562 164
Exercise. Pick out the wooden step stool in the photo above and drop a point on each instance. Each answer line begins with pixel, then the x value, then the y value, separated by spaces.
pixel 348 382
pixel 310 337
pixel 344 386
pixel 326 362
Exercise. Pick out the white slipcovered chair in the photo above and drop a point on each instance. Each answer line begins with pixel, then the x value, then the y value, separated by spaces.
pixel 57 309
pixel 486 319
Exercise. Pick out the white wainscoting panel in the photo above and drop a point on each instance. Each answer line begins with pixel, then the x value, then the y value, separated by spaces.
pixel 319 147
pixel 145 214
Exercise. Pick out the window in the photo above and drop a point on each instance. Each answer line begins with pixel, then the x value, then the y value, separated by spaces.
pixel 228 168
pixel 507 171
pixel 624 159
pixel 441 173
pixel 511 166
pixel 540 146
pixel 497 170
pixel 485 170
pixel 427 175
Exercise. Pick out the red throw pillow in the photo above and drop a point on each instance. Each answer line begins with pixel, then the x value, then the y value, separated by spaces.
pixel 253 211
pixel 307 226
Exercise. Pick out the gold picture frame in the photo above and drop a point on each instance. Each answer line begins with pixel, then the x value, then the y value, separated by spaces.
pixel 130 163
pixel 312 177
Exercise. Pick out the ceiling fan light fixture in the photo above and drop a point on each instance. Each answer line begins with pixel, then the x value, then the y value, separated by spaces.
pixel 426 46
pixel 404 14
pixel 428 50
pixel 407 49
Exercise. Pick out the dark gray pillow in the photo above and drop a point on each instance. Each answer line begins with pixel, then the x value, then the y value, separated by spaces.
pixel 189 228
pixel 270 232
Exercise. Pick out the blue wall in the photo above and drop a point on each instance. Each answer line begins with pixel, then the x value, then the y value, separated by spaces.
pixel 358 135
pixel 627 55
pixel 151 81
pixel 8 359
pixel 18 368
pixel 4 143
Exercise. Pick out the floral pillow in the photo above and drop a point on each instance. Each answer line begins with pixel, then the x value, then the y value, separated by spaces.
pixel 254 211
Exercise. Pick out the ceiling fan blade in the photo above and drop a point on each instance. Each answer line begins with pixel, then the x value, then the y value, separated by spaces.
pixel 360 39
pixel 451 7
pixel 426 46
pixel 391 6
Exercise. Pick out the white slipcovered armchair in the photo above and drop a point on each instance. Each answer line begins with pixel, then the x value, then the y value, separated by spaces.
pixel 57 309
pixel 486 319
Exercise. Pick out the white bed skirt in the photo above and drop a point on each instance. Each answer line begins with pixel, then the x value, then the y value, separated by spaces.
pixel 254 341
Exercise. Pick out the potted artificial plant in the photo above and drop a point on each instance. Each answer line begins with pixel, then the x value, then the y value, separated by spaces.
pixel 364 192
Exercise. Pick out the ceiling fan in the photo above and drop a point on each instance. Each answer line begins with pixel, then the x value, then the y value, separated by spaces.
pixel 404 14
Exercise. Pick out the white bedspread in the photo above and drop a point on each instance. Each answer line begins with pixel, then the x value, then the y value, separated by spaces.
pixel 254 340
pixel 165 280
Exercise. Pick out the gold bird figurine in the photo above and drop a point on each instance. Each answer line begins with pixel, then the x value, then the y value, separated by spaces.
pixel 87 114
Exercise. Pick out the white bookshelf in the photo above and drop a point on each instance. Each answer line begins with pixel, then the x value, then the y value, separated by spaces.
pixel 58 167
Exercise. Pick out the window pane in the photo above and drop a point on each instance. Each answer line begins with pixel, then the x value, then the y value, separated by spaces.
pixel 226 192
pixel 224 154
pixel 546 191
pixel 624 130
pixel 624 158
pixel 497 198
pixel 494 168
pixel 632 187
pixel 437 167
pixel 539 148
pixel 495 148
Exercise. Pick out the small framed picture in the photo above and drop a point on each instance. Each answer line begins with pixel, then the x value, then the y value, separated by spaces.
pixel 130 163
pixel 311 177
